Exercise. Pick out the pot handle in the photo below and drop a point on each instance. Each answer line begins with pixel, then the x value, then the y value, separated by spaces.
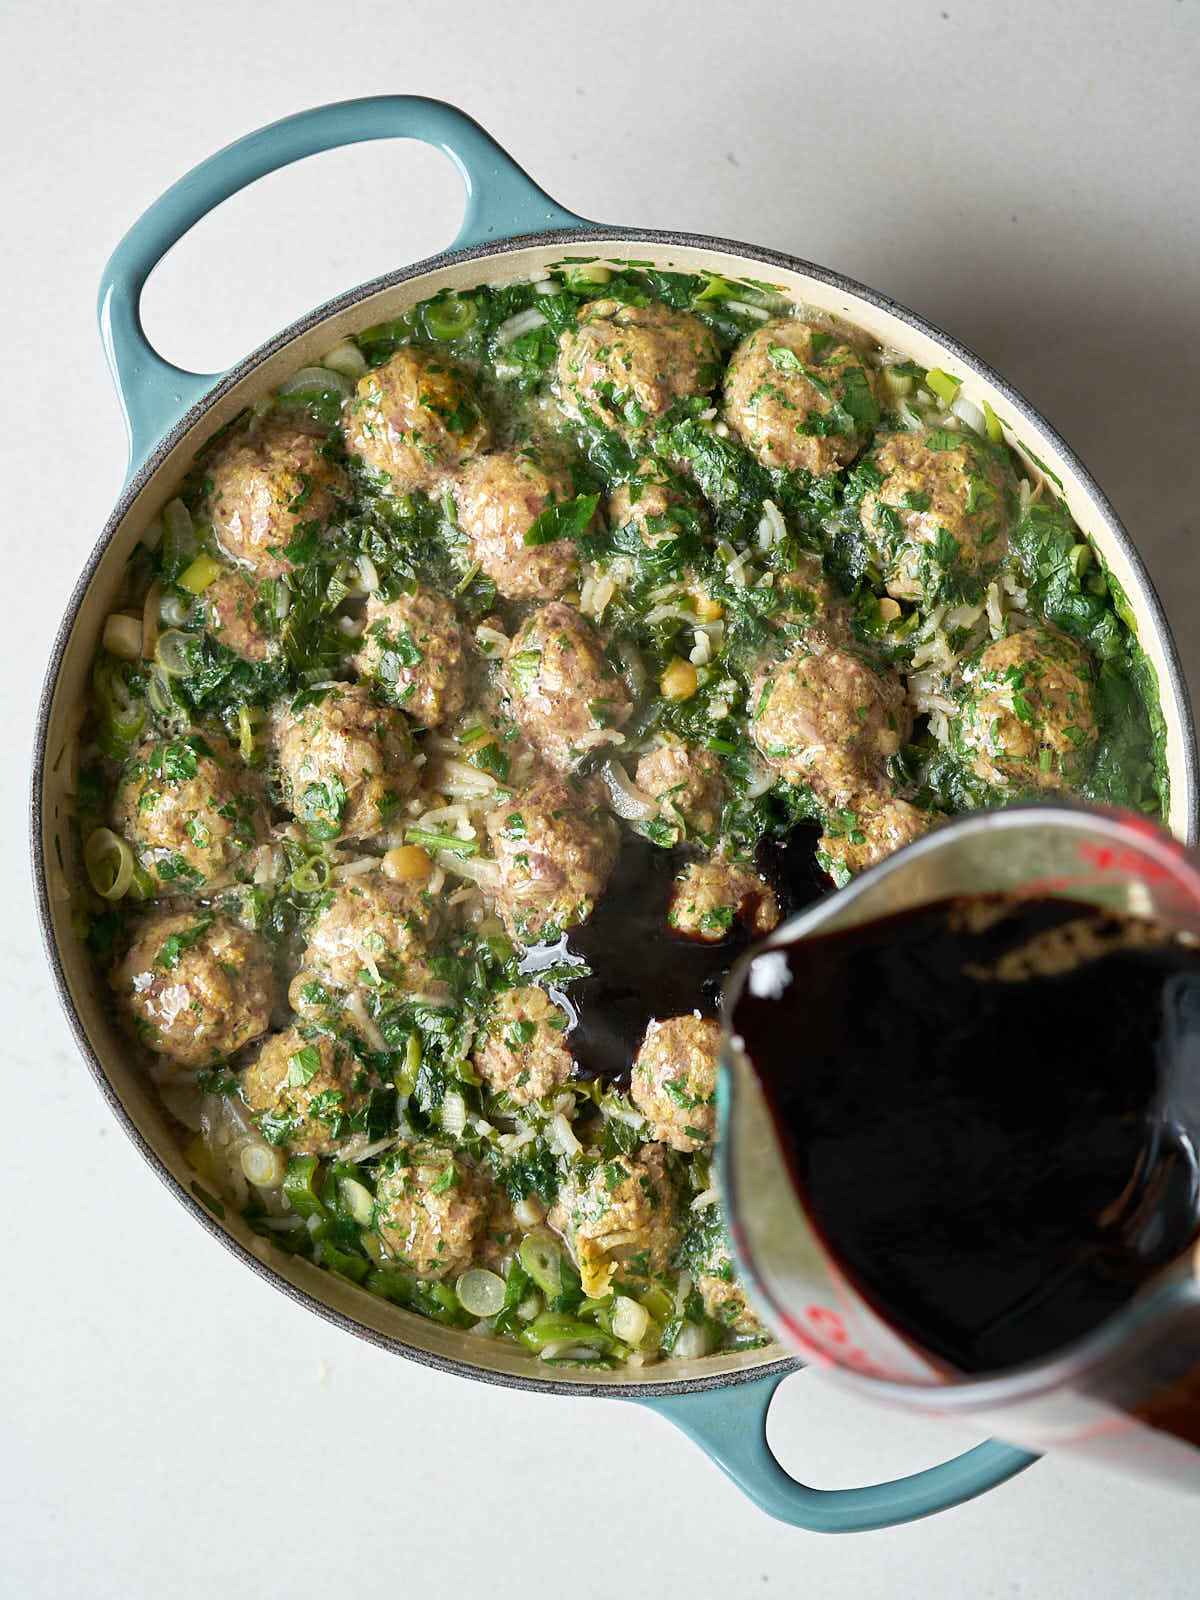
pixel 729 1424
pixel 502 201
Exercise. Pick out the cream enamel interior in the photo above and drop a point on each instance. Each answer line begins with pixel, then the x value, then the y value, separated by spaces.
pixel 371 1314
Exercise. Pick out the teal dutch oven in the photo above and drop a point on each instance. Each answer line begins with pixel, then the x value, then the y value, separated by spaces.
pixel 511 229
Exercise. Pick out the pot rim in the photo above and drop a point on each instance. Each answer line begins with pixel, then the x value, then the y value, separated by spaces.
pixel 137 480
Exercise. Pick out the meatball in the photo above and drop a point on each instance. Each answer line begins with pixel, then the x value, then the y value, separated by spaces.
pixel 829 720
pixel 345 761
pixel 674 1081
pixel 622 366
pixel 944 500
pixel 525 1055
pixel 658 503
pixel 565 697
pixel 619 1212
pixel 1028 720
pixel 268 486
pixel 709 896
pixel 228 605
pixel 499 498
pixel 554 850
pixel 304 1092
pixel 190 809
pixel 414 420
pixel 195 986
pixel 688 788
pixel 431 1210
pixel 725 1300
pixel 800 397
pixel 415 651
pixel 371 931
pixel 858 838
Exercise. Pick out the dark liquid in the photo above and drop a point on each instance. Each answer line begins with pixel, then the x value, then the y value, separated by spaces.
pixel 998 1165
pixel 640 968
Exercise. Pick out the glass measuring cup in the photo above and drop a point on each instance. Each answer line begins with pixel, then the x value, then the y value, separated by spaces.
pixel 1126 1395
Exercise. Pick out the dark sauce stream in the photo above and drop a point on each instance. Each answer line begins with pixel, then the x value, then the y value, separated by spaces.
pixel 998 1162
pixel 642 970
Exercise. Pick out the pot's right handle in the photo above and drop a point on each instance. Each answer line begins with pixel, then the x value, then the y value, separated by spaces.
pixel 730 1425
pixel 502 201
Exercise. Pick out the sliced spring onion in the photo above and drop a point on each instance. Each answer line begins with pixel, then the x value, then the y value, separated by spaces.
pixel 109 862
pixel 942 384
pixel 454 1115
pixel 480 1292
pixel 448 842
pixel 317 380
pixel 967 411
pixel 522 322
pixel 358 1201
pixel 300 1187
pixel 311 876
pixel 897 382
pixel 173 653
pixel 123 636
pixel 541 1256
pixel 249 720
pixel 150 616
pixel 1081 559
pixel 179 536
pixel 368 573
pixel 173 611
pixel 203 571
pixel 345 358
pixel 994 430
pixel 158 693
pixel 450 319
pixel 262 1165
pixel 552 1329
pixel 586 275
pixel 693 1340
pixel 629 1320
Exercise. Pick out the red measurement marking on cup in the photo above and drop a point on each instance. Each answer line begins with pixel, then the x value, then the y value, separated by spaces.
pixel 1125 860
pixel 827 1327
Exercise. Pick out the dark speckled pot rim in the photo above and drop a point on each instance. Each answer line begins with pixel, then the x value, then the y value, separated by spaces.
pixel 1154 616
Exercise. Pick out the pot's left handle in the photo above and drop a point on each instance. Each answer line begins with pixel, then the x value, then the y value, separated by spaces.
pixel 729 1424
pixel 502 201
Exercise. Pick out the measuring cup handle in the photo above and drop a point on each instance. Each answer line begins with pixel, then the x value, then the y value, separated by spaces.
pixel 730 1425
pixel 502 201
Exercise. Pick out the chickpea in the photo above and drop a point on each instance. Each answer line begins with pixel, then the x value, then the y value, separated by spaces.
pixel 407 863
pixel 679 681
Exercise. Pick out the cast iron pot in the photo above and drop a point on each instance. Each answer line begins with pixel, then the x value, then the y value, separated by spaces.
pixel 511 228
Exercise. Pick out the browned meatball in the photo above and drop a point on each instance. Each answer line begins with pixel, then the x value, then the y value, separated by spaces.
pixel 431 1209
pixel 524 1054
pixel 305 1091
pixel 500 497
pixel 869 832
pixel 414 420
pixel 229 605
pixel 565 697
pixel 195 986
pixel 658 503
pixel 267 486
pixel 943 500
pixel 190 809
pixel 345 761
pixel 687 785
pixel 709 896
pixel 555 850
pixel 623 366
pixel 828 720
pixel 371 931
pixel 799 396
pixel 414 649
pixel 674 1080
pixel 1029 719
pixel 618 1213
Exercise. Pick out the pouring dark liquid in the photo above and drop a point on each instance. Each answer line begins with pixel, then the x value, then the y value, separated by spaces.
pixel 990 1109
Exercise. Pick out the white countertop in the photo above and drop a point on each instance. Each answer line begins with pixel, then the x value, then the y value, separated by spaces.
pixel 1022 174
